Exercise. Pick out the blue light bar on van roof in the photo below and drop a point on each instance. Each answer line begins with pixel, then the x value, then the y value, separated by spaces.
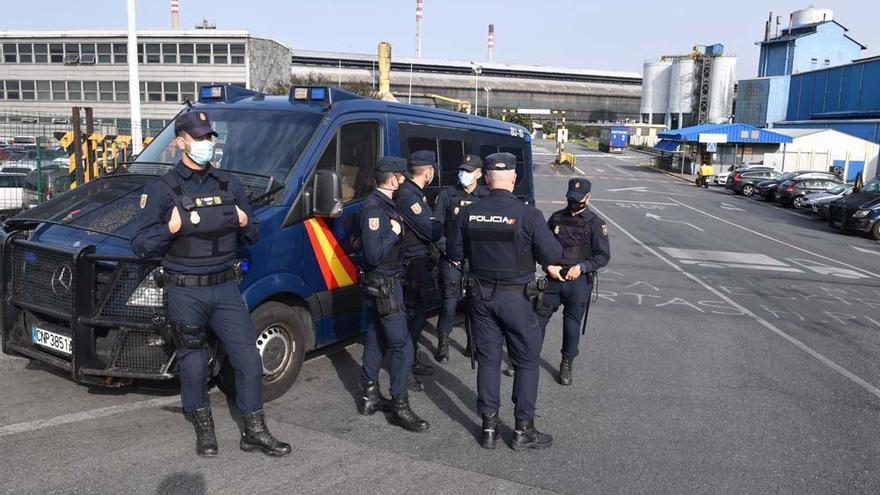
pixel 318 94
pixel 309 94
pixel 211 93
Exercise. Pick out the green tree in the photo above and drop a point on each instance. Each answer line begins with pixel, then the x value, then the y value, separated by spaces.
pixel 549 127
pixel 520 119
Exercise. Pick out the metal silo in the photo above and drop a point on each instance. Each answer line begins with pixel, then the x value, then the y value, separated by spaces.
pixel 681 88
pixel 655 89
pixel 721 85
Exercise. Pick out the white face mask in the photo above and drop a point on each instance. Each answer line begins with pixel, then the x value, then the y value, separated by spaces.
pixel 466 178
pixel 200 152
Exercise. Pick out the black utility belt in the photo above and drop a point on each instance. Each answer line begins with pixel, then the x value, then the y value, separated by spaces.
pixel 184 280
pixel 377 279
pixel 499 284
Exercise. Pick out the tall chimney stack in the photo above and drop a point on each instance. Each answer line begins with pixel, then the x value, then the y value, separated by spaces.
pixel 767 27
pixel 778 24
pixel 419 11
pixel 175 14
pixel 491 42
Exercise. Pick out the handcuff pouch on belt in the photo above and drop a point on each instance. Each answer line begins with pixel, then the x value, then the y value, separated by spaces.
pixel 188 336
pixel 381 291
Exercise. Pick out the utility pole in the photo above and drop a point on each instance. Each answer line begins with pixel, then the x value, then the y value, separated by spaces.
pixel 477 71
pixel 134 84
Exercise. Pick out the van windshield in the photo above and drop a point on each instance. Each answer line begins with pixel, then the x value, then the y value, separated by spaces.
pixel 257 142
pixel 872 186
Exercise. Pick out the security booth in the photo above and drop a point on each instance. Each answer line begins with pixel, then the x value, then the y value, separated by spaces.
pixel 721 145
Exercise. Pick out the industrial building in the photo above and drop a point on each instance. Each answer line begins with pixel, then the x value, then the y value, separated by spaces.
pixel 813 40
pixel 44 73
pixel 825 150
pixel 719 145
pixel 586 95
pixel 687 90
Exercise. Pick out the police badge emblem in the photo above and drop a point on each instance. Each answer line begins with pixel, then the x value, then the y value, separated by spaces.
pixel 556 230
pixel 605 230
pixel 374 223
pixel 143 203
pixel 198 201
pixel 456 210
pixel 416 208
pixel 194 218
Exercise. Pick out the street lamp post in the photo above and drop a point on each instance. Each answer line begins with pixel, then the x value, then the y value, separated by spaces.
pixel 488 90
pixel 477 71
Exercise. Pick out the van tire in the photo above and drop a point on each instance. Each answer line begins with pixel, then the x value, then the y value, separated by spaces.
pixel 280 330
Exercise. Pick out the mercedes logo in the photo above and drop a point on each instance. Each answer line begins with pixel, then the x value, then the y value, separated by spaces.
pixel 62 280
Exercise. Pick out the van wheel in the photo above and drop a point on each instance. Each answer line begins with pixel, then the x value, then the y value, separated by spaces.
pixel 281 340
pixel 748 190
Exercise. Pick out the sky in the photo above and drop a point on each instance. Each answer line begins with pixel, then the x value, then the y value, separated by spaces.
pixel 584 34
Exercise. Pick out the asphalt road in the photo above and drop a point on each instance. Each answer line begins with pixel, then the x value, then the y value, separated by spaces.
pixel 733 349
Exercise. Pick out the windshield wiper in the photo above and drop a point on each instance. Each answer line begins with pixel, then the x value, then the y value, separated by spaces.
pixel 269 195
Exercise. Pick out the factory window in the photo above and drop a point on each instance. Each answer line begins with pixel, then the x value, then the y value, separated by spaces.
pixel 104 56
pixel 90 91
pixel 153 53
pixel 59 90
pixel 2 92
pixel 27 90
pixel 12 92
pixel 188 91
pixel 71 49
pixel 827 62
pixel 186 53
pixel 87 48
pixel 169 53
pixel 140 48
pixel 105 90
pixel 170 90
pixel 814 61
pixel 74 90
pixel 143 90
pixel 121 90
pixel 221 52
pixel 41 53
pixel 43 92
pixel 25 53
pixel 203 53
pixel 237 51
pixel 10 53
pixel 120 53
pixel 154 91
pixel 56 53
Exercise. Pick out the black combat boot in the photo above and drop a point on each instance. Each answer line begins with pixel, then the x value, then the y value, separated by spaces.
pixel 565 371
pixel 414 384
pixel 420 368
pixel 206 441
pixel 256 436
pixel 371 399
pixel 403 416
pixel 490 431
pixel 442 355
pixel 527 436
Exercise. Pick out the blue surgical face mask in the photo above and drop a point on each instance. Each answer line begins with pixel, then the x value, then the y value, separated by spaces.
pixel 201 152
pixel 466 178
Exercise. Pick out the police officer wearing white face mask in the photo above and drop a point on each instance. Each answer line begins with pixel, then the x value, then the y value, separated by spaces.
pixel 447 206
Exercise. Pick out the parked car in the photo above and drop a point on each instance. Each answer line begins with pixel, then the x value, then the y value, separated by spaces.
pixel 792 191
pixel 818 202
pixel 744 182
pixel 14 194
pixel 766 190
pixel 858 212
pixel 722 178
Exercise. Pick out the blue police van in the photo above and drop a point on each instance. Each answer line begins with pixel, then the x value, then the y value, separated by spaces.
pixel 75 297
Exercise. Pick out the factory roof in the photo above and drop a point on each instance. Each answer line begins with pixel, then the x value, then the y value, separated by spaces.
pixel 735 133
pixel 790 34
pixel 122 33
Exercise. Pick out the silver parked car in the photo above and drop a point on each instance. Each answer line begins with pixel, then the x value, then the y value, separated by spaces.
pixel 818 202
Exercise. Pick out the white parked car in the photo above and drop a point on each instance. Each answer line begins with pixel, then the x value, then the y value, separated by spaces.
pixel 721 179
pixel 14 193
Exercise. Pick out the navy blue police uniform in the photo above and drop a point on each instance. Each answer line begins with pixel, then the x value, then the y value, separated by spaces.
pixel 200 276
pixel 584 239
pixel 448 205
pixel 422 231
pixel 502 238
pixel 384 310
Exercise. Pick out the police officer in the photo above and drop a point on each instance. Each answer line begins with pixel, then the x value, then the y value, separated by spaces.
pixel 502 238
pixel 381 237
pixel 585 249
pixel 194 218
pixel 447 206
pixel 422 229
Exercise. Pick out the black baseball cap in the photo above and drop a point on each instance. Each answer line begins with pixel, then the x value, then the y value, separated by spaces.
pixel 194 123
pixel 391 164
pixel 578 188
pixel 500 161
pixel 470 163
pixel 422 159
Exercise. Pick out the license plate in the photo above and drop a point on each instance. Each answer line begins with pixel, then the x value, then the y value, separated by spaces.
pixel 51 340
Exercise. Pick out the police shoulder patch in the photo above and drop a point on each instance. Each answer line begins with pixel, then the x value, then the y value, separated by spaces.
pixel 605 230
pixel 416 208
pixel 556 229
pixel 143 203
pixel 374 223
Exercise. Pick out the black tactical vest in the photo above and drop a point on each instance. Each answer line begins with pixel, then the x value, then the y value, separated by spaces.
pixel 495 244
pixel 209 225
pixel 458 199
pixel 573 233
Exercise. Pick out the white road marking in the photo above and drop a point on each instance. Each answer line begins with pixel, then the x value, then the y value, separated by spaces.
pixel 766 324
pixel 715 264
pixel 661 219
pixel 723 256
pixel 823 269
pixel 632 201
pixel 725 206
pixel 875 252
pixel 624 172
pixel 579 170
pixel 765 236
pixel 634 189
pixel 600 170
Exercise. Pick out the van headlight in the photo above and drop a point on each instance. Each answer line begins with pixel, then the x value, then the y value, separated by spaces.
pixel 861 213
pixel 148 294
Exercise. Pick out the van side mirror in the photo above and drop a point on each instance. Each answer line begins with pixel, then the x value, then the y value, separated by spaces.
pixel 326 194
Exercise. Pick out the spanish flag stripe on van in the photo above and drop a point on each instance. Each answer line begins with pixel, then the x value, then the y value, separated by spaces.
pixel 336 268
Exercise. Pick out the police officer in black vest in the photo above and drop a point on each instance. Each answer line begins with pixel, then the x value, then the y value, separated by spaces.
pixel 447 207
pixel 422 229
pixel 502 237
pixel 381 238
pixel 585 248
pixel 194 218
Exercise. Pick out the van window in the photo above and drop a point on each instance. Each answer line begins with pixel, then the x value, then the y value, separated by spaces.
pixel 353 153
pixel 12 180
pixel 451 156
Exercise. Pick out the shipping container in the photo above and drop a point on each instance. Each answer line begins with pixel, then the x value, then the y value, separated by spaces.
pixel 613 139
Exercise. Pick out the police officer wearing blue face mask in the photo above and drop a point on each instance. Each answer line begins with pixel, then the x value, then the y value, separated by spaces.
pixel 502 238
pixel 194 218
pixel 447 207
pixel 422 229
pixel 382 229
pixel 585 248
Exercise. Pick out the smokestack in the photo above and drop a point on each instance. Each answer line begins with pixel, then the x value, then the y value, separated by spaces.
pixel 767 27
pixel 491 41
pixel 778 24
pixel 175 14
pixel 384 69
pixel 419 11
